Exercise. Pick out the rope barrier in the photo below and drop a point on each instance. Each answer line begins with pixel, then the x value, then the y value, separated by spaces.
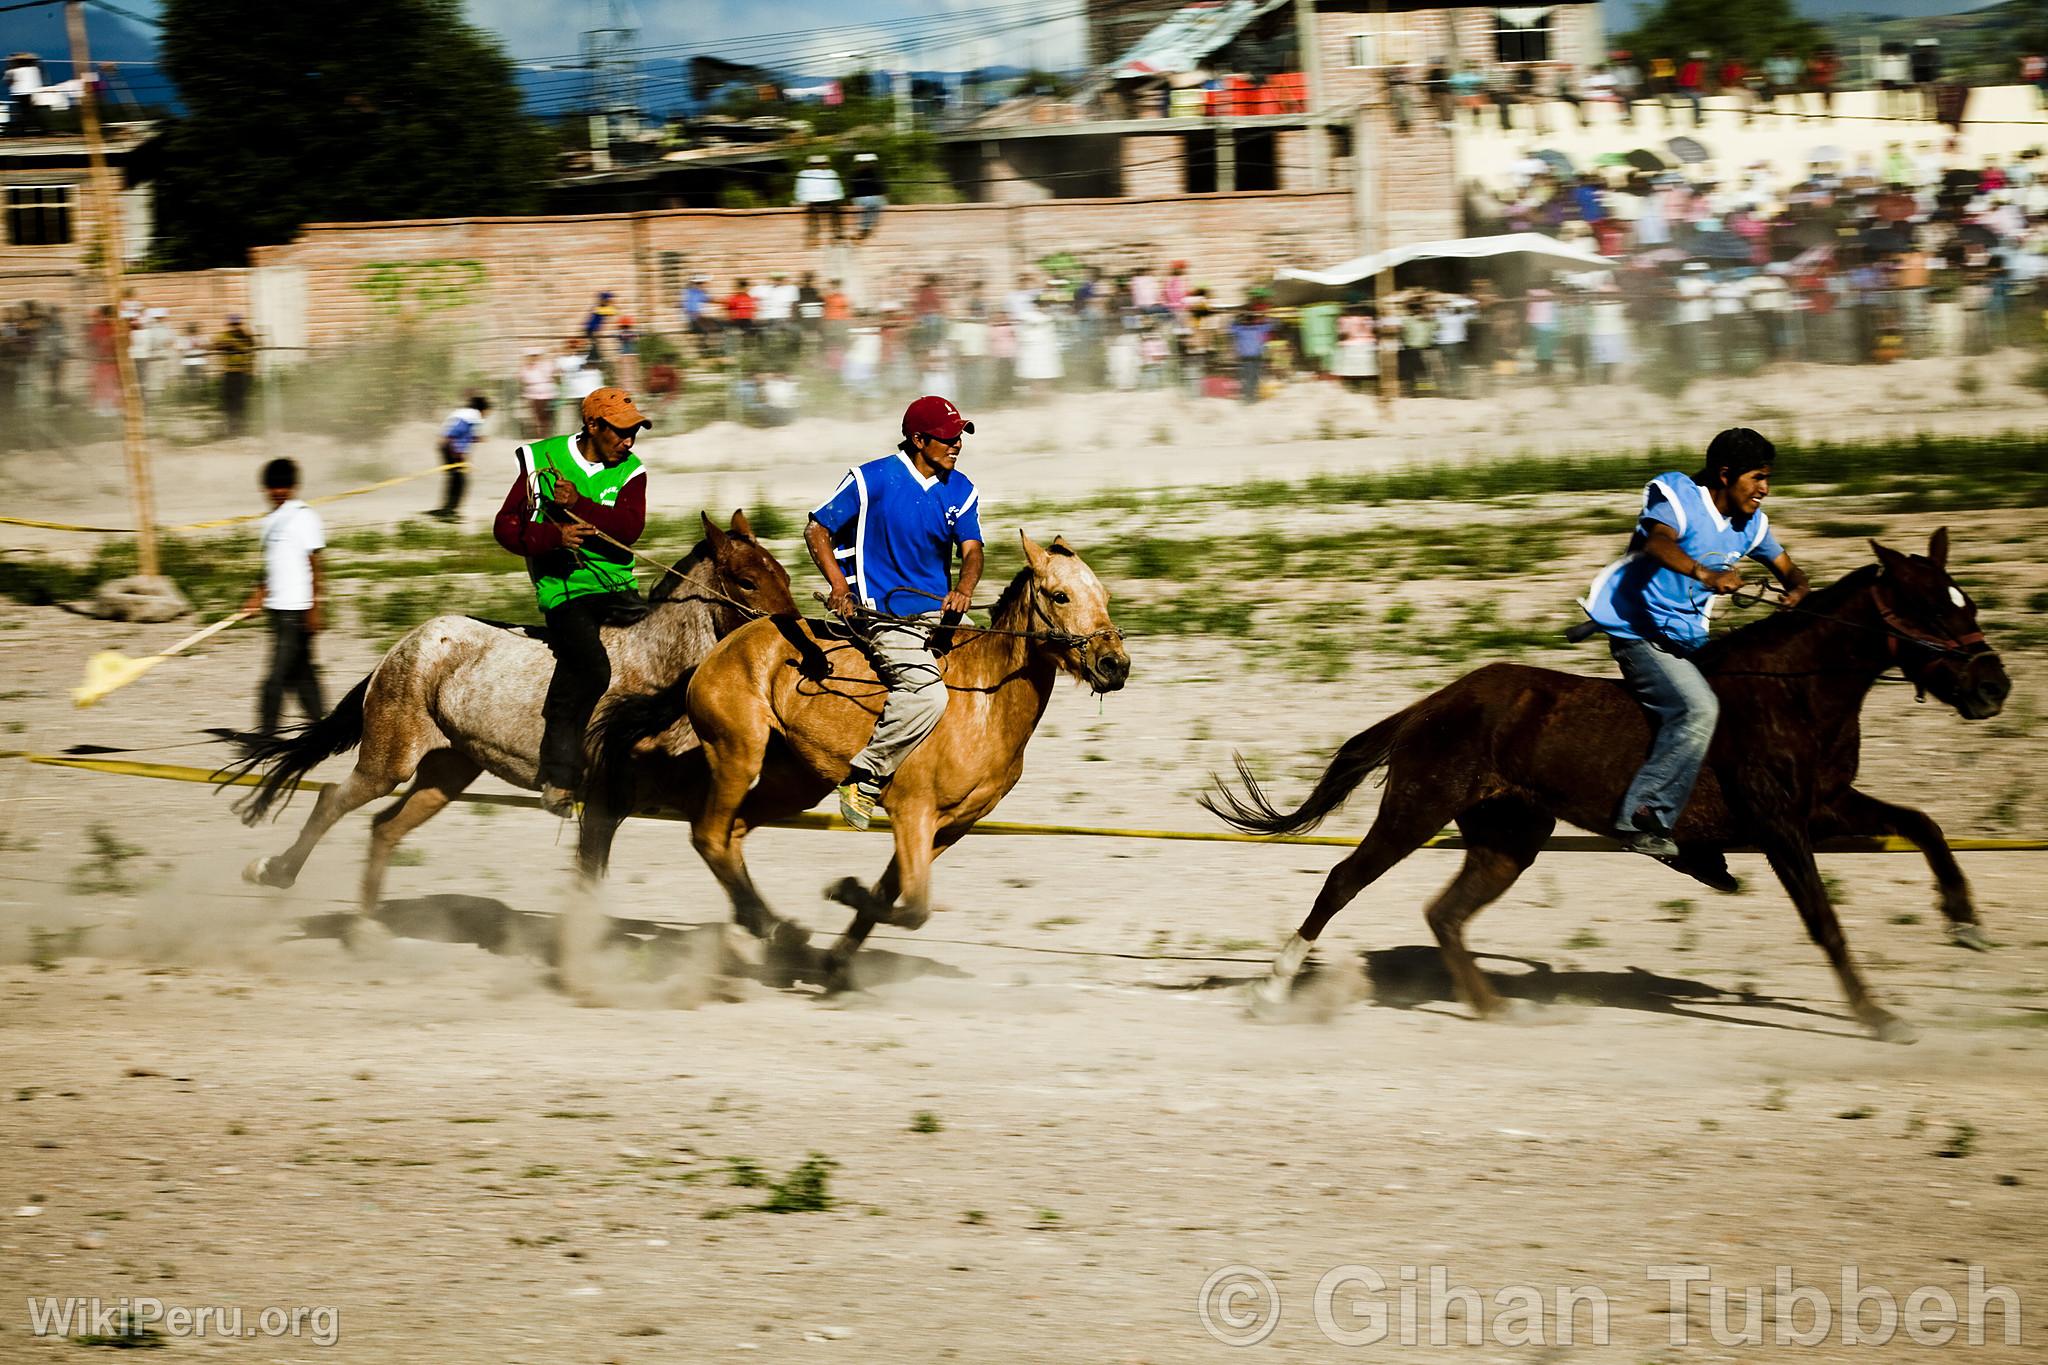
pixel 244 519
pixel 1562 843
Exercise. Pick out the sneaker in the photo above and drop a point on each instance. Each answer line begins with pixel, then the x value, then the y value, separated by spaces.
pixel 857 801
pixel 1643 833
pixel 559 802
pixel 1707 867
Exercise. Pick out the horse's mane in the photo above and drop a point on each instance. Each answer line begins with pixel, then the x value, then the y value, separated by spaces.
pixel 679 571
pixel 1777 627
pixel 1012 598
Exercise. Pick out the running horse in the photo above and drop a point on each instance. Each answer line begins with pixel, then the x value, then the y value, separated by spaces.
pixel 1507 751
pixel 778 710
pixel 458 697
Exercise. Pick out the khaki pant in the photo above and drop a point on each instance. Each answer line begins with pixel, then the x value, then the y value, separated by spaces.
pixel 917 695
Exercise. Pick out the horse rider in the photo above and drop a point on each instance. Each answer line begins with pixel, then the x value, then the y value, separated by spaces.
pixel 1653 605
pixel 568 490
pixel 884 542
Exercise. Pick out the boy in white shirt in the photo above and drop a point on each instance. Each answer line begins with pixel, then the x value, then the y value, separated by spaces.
pixel 290 594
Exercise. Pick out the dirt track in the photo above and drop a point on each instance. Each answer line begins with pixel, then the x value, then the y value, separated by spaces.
pixel 205 1106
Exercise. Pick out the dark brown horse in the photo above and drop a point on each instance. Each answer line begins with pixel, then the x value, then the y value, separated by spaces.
pixel 1507 751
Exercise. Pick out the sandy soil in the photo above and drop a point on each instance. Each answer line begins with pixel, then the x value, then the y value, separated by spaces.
pixel 208 1100
pixel 1086 443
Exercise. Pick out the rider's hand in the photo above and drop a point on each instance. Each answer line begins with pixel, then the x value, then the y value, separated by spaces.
pixel 1722 581
pixel 313 624
pixel 575 533
pixel 254 601
pixel 956 602
pixel 841 603
pixel 1795 595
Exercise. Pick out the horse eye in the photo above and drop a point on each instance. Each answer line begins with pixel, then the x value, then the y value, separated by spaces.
pixel 1060 598
pixel 744 584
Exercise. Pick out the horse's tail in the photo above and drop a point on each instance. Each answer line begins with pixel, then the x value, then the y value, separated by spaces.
pixel 1361 755
pixel 608 771
pixel 290 757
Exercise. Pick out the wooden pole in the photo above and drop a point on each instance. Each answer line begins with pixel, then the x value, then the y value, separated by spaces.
pixel 107 213
pixel 1308 36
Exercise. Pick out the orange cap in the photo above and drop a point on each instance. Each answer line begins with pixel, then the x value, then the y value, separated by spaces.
pixel 614 406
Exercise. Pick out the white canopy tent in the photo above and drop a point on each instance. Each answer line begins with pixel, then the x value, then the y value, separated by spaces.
pixel 1305 286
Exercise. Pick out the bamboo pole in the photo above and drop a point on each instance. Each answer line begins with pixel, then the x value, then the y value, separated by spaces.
pixel 107 213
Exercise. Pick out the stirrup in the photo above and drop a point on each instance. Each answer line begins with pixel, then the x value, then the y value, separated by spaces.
pixel 857 802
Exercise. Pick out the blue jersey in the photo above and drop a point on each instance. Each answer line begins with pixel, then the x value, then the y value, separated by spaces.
pixel 894 530
pixel 1636 598
pixel 463 427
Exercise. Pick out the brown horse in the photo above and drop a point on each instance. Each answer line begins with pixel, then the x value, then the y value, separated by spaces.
pixel 1507 751
pixel 780 712
pixel 458 697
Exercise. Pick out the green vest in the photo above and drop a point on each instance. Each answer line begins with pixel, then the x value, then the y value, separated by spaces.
pixel 599 566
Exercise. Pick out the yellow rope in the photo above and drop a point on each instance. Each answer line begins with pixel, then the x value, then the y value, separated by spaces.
pixel 246 518
pixel 1563 843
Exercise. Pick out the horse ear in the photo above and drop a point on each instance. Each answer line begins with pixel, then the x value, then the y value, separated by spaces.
pixel 712 533
pixel 1033 555
pixel 1937 549
pixel 1892 560
pixel 1060 547
pixel 739 524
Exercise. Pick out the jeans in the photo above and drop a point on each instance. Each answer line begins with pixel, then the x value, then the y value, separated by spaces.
pixel 870 206
pixel 917 696
pixel 1684 708
pixel 1250 368
pixel 291 669
pixel 582 673
pixel 452 488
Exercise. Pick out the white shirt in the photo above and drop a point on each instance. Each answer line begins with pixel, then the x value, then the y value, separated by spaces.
pixel 774 302
pixel 291 535
pixel 818 185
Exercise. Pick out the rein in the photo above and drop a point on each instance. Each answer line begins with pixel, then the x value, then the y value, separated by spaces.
pixel 1895 628
pixel 751 613
pixel 1052 636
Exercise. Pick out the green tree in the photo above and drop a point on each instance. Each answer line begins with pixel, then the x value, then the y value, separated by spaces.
pixel 334 111
pixel 1750 29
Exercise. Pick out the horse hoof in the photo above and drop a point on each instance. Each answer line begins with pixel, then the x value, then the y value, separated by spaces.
pixel 263 873
pixel 905 917
pixel 1889 1028
pixel 787 936
pixel 366 937
pixel 848 892
pixel 1267 1001
pixel 1970 936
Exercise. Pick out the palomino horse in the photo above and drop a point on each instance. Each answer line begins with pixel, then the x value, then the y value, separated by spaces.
pixel 778 723
pixel 458 697
pixel 1507 751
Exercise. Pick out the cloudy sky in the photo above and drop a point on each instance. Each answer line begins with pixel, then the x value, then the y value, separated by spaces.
pixel 813 34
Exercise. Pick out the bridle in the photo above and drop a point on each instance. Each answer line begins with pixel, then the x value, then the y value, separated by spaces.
pixel 1900 628
pixel 1896 628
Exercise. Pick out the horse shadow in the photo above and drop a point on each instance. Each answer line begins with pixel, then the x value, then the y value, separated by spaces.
pixel 649 949
pixel 1414 975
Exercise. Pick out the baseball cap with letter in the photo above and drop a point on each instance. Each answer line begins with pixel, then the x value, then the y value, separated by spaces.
pixel 932 415
pixel 614 407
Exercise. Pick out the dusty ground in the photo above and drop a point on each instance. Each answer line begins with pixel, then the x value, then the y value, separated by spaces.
pixel 209 1101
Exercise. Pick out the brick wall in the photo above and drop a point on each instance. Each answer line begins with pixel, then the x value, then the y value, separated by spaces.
pixel 202 296
pixel 1154 165
pixel 509 282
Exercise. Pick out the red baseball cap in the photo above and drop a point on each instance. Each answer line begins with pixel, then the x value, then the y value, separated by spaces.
pixel 932 415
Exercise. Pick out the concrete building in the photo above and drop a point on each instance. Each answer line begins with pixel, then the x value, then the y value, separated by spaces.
pixel 1295 97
